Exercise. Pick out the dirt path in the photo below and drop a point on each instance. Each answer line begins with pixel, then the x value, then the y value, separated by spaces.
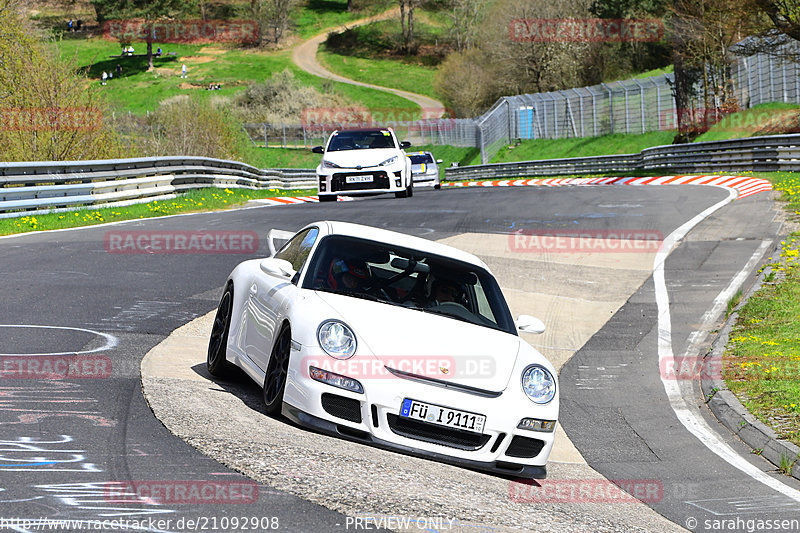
pixel 304 56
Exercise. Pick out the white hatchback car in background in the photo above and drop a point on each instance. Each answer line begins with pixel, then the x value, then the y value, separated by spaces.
pixel 425 169
pixel 363 161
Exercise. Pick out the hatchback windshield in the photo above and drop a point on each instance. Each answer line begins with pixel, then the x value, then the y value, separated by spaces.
pixel 361 140
pixel 420 159
pixel 399 276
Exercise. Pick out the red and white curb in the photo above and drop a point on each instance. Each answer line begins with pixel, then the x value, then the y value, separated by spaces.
pixel 744 186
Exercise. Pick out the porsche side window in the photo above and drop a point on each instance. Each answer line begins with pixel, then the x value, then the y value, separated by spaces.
pixel 296 250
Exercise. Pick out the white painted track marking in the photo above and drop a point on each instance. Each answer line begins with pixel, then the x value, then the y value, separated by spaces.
pixel 111 340
pixel 691 420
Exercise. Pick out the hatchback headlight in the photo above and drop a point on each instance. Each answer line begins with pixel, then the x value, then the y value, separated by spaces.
pixel 390 161
pixel 328 164
pixel 337 339
pixel 539 384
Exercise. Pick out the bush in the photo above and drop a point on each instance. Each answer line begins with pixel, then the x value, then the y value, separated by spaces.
pixel 465 83
pixel 187 127
pixel 282 100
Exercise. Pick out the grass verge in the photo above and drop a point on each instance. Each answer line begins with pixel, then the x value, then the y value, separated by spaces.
pixel 210 199
pixel 618 143
pixel 764 119
pixel 383 72
pixel 762 359
pixel 314 16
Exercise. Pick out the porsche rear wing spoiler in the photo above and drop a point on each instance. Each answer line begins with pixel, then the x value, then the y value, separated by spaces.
pixel 277 235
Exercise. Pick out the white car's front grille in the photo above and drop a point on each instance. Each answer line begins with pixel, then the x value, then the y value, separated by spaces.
pixel 436 434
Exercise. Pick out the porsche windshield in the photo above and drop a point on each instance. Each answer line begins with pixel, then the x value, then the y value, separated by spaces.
pixel 361 140
pixel 409 278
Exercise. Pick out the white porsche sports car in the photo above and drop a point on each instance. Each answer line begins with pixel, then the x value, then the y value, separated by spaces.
pixel 390 340
pixel 363 161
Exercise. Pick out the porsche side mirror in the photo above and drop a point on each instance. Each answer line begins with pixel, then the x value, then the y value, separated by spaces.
pixel 405 144
pixel 318 150
pixel 529 324
pixel 439 161
pixel 277 267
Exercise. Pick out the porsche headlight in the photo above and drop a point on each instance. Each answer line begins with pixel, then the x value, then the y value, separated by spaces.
pixel 328 164
pixel 390 161
pixel 337 339
pixel 538 384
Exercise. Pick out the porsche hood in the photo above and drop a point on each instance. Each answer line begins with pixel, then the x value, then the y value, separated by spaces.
pixel 427 345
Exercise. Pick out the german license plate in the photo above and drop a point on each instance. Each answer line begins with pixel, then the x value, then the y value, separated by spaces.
pixel 358 179
pixel 443 416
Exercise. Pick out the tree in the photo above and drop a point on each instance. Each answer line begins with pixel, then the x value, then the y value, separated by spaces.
pixel 703 33
pixel 783 14
pixel 775 29
pixel 150 11
pixel 273 14
pixel 501 63
pixel 623 58
pixel 407 8
pixel 464 16
pixel 48 112
pixel 523 65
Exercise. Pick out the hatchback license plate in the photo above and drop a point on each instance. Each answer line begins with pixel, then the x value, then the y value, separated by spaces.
pixel 443 416
pixel 358 179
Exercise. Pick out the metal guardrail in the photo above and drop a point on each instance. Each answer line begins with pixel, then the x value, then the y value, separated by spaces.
pixel 759 154
pixel 40 187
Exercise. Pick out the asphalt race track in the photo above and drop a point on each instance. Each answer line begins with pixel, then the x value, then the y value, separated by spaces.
pixel 69 446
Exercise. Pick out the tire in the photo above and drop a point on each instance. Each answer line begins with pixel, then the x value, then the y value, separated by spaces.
pixel 277 369
pixel 327 198
pixel 437 186
pixel 216 362
pixel 408 192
